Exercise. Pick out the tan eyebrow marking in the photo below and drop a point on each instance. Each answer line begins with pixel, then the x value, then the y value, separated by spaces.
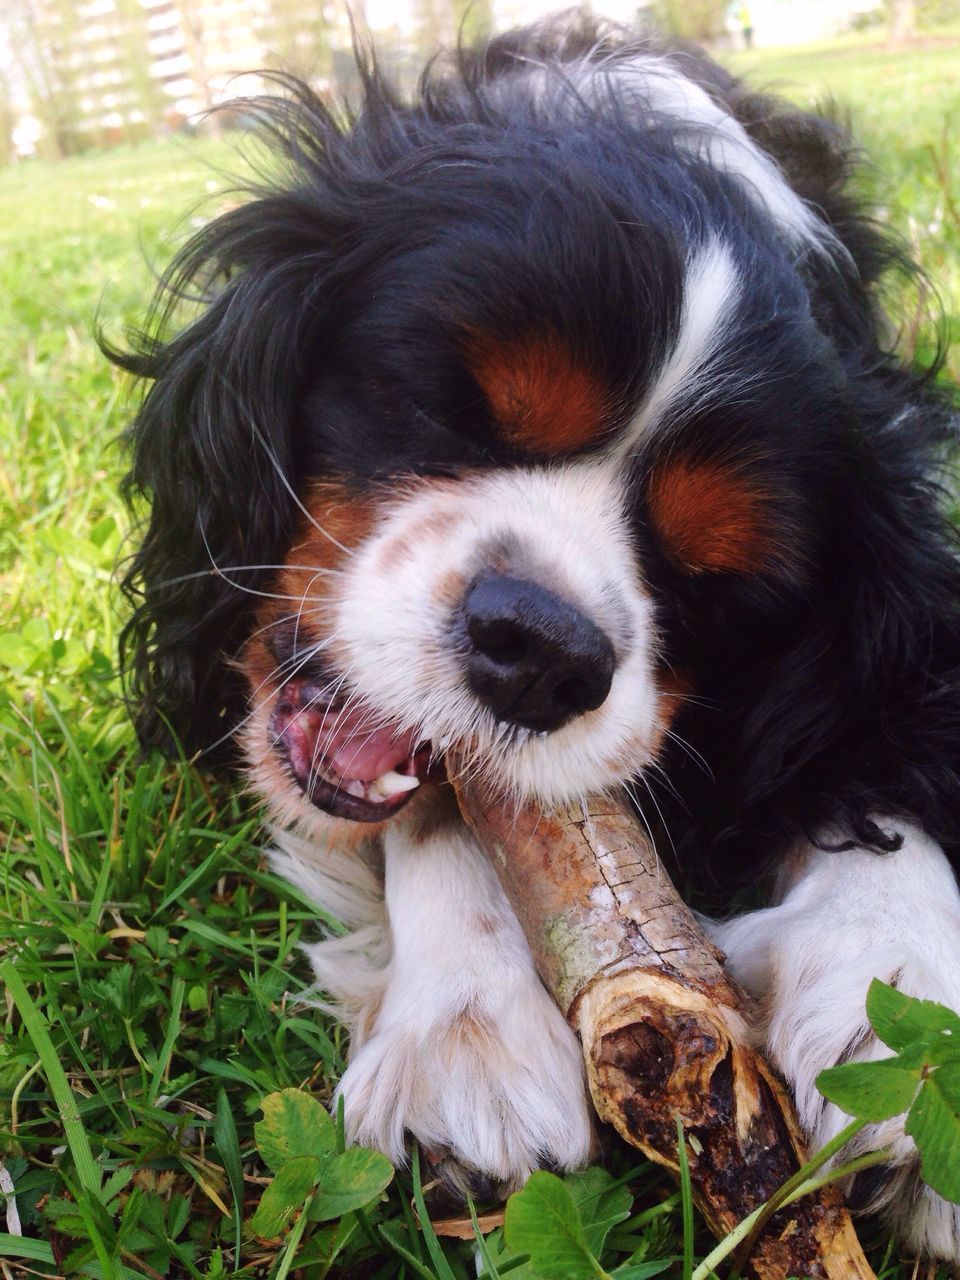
pixel 712 516
pixel 543 398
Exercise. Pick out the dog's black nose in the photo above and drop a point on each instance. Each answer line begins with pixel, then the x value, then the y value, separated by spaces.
pixel 533 659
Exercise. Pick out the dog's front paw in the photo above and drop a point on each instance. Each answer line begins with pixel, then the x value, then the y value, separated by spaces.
pixel 490 1095
pixel 925 1223
pixel 853 917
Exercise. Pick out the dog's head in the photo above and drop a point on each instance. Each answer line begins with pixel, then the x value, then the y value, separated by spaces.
pixel 514 414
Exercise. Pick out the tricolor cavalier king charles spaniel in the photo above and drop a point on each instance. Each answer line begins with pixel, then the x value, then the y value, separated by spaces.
pixel 551 419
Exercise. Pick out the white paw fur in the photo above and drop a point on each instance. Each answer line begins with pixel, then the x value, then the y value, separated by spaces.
pixel 453 1038
pixel 499 1087
pixel 848 917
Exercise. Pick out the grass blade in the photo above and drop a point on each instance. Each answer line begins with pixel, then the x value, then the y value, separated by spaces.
pixel 426 1226
pixel 87 1171
pixel 28 1250
pixel 228 1146
pixel 403 1252
pixel 686 1201
pixel 177 990
pixel 490 1271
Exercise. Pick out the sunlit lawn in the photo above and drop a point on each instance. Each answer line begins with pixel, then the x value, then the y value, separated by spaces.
pixel 162 955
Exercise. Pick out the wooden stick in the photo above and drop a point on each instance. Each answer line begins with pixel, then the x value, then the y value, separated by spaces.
pixel 664 1031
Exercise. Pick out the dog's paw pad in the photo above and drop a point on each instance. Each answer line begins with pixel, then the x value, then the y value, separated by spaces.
pixel 449 1184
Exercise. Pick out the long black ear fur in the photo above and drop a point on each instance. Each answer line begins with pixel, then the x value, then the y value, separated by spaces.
pixel 210 444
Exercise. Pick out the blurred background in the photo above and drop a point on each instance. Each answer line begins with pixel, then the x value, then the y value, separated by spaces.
pixel 76 74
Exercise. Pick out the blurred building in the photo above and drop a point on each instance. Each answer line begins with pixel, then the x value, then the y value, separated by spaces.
pixel 102 70
pixel 96 71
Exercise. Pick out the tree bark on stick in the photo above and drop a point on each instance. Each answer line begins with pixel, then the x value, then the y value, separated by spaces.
pixel 664 1031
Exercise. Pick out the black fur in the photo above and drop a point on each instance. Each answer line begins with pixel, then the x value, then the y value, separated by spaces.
pixel 337 301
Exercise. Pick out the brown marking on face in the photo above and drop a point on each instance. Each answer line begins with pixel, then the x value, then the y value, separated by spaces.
pixel 438 524
pixel 712 516
pixel 303 592
pixel 449 589
pixel 302 595
pixel 435 524
pixel 340 521
pixel 544 399
pixel 297 614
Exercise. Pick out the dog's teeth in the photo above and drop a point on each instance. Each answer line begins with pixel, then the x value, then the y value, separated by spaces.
pixel 356 788
pixel 388 784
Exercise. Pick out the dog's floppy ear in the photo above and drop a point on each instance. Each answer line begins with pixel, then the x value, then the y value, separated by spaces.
pixel 211 443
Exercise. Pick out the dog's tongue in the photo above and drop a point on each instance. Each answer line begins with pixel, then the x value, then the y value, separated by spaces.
pixel 357 752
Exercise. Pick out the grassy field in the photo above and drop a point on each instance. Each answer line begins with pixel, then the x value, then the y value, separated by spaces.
pixel 159 958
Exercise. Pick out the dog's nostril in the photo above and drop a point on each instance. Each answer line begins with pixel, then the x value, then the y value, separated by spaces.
pixel 575 694
pixel 533 658
pixel 499 639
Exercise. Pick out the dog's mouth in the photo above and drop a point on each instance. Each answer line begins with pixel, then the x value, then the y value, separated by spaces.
pixel 347 762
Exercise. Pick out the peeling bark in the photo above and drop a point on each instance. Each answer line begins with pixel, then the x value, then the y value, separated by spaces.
pixel 664 1031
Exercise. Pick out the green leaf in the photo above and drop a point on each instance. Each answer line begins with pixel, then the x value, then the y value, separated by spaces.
pixel 284 1196
pixel 641 1270
pixel 872 1091
pixel 65 1216
pixel 601 1203
pixel 900 1020
pixel 350 1181
pixel 117 1181
pixel 16 651
pixel 934 1125
pixel 102 530
pixel 542 1220
pixel 294 1124
pixel 36 632
pixel 98 1220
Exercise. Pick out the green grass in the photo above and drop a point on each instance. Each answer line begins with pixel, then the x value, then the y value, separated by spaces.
pixel 905 111
pixel 157 957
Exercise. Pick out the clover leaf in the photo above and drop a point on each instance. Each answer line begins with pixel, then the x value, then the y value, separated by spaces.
pixel 922 1079
pixel 297 1139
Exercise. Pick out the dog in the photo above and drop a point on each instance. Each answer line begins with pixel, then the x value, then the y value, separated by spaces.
pixel 551 420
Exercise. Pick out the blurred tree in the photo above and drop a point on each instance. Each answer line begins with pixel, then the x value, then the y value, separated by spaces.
pixel 441 23
pixel 296 36
pixel 8 119
pixel 473 19
pixel 87 75
pixel 42 37
pixel 191 24
pixel 903 21
pixel 702 20
pixel 144 97
pixel 436 26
